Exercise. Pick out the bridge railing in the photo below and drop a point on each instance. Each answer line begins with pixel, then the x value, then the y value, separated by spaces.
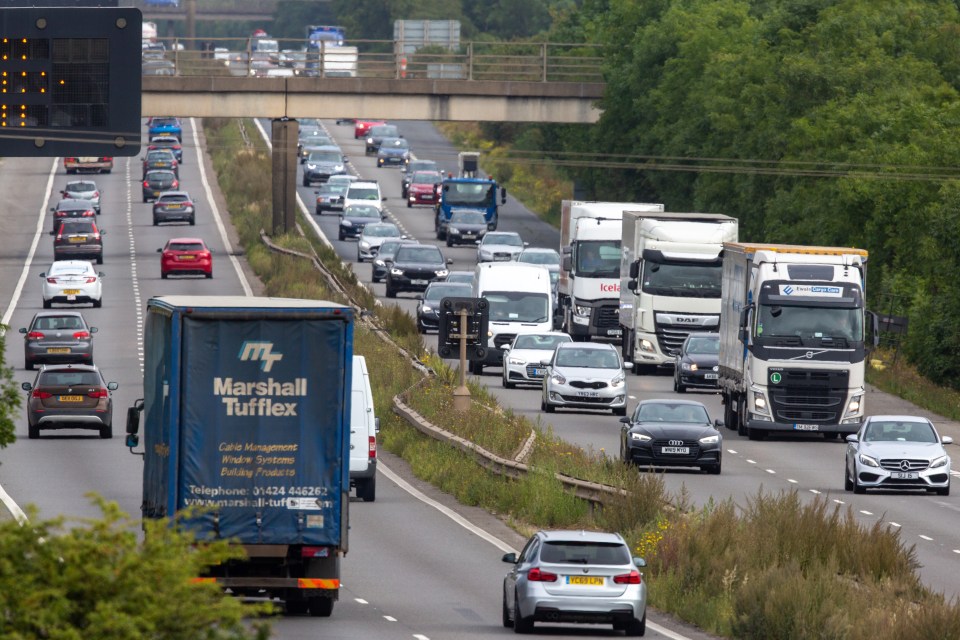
pixel 473 61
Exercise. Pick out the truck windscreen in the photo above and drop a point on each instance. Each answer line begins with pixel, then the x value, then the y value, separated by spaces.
pixel 469 194
pixel 598 259
pixel 810 323
pixel 517 306
pixel 682 279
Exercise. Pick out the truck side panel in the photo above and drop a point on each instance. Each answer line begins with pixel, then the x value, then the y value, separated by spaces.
pixel 736 273
pixel 262 430
pixel 160 399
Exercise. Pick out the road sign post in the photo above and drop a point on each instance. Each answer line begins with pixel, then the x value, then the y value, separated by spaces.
pixel 463 326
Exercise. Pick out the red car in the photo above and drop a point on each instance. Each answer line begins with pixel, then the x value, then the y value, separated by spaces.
pixel 186 256
pixel 361 127
pixel 424 187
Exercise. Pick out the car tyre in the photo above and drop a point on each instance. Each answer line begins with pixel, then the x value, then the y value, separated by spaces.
pixel 33 432
pixel 944 491
pixel 155 222
pixel 505 619
pixel 857 487
pixel 100 259
pixel 409 206
pixel 306 182
pixel 636 627
pixel 193 221
pixel 506 383
pixel 97 303
pixel 163 275
pixel 712 469
pixel 209 275
pixel 520 624
pixel 29 366
pixel 367 490
pixel 341 236
pixel 391 292
pixel 677 387
pixel 449 242
pixel 549 408
pixel 106 432
pixel 47 304
pixel 847 482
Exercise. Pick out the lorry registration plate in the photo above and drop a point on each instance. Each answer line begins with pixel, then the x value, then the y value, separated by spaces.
pixel 592 581
pixel 676 450
pixel 806 427
pixel 614 332
pixel 904 475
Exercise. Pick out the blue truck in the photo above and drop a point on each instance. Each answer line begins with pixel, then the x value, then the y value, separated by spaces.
pixel 471 194
pixel 246 419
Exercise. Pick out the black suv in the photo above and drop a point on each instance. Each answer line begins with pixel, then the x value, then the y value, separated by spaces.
pixel 78 239
pixel 414 267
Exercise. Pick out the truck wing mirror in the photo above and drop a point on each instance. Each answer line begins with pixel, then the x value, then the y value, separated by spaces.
pixel 632 285
pixel 567 263
pixel 133 419
pixel 635 269
pixel 503 196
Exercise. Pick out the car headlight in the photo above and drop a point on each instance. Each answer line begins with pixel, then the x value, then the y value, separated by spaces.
pixel 867 460
pixel 580 310
pixel 617 381
pixel 688 366
pixel 364 244
pixel 710 439
pixel 939 462
pixel 369 140
pixel 442 273
pixel 454 231
pixel 426 309
pixel 517 362
pixel 380 263
pixel 640 437
pixel 484 253
pixel 338 168
pixel 396 272
pixel 557 378
pixel 346 223
pixel 311 167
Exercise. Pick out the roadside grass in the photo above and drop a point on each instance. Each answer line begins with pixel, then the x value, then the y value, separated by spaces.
pixel 774 568
pixel 897 377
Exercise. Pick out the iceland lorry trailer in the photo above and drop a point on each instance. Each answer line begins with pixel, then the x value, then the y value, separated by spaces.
pixel 792 339
pixel 246 417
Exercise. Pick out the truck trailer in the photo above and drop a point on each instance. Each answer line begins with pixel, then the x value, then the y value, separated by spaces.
pixel 589 284
pixel 792 339
pixel 246 419
pixel 670 276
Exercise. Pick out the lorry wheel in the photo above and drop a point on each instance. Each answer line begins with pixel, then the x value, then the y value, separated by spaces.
pixel 321 607
pixel 295 607
pixel 729 417
pixel 756 434
pixel 741 417
pixel 367 491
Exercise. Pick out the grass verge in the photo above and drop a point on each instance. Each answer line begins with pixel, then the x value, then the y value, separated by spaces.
pixel 775 568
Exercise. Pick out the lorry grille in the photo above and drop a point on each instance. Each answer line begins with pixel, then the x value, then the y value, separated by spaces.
pixel 809 396
pixel 671 336
pixel 583 384
pixel 608 318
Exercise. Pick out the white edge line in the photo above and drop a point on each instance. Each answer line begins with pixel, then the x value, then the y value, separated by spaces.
pixel 247 291
pixel 666 632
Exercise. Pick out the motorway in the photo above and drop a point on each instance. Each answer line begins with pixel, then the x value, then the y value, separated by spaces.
pixel 420 565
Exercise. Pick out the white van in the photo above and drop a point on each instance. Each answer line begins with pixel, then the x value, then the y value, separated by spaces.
pixel 364 426
pixel 520 296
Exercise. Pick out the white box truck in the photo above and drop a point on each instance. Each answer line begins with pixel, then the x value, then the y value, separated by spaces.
pixel 792 339
pixel 589 286
pixel 670 277
pixel 520 296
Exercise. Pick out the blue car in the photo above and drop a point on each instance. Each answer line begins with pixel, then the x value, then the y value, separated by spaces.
pixel 393 151
pixel 165 125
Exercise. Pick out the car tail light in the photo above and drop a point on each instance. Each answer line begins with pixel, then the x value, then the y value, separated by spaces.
pixel 52 280
pixel 81 335
pixel 60 234
pixel 99 393
pixel 372 448
pixel 96 235
pixel 42 395
pixel 89 213
pixel 176 185
pixel 536 575
pixel 90 279
pixel 36 335
pixel 146 184
pixel 96 194
pixel 628 578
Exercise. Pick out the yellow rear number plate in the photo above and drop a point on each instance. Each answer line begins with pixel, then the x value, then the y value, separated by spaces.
pixel 71 292
pixel 71 398
pixel 590 581
pixel 58 349
pixel 78 238
pixel 188 257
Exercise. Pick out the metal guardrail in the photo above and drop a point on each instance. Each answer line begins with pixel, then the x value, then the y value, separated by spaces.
pixel 474 61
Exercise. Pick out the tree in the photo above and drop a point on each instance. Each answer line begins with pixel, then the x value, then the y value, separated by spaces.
pixel 95 579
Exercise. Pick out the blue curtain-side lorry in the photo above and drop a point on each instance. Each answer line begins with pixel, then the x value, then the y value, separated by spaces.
pixel 246 411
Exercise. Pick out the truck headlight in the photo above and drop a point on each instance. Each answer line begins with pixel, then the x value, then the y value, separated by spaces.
pixel 647 346
pixel 855 404
pixel 582 311
pixel 760 403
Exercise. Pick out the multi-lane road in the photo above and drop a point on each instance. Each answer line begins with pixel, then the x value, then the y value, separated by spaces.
pixel 415 568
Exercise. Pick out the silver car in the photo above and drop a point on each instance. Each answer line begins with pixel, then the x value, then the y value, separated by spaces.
pixel 585 375
pixel 500 246
pixel 575 576
pixel 83 190
pixel 522 358
pixel 374 235
pixel 897 452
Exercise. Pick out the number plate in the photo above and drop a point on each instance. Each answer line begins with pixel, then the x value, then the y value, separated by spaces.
pixel 70 398
pixel 418 282
pixel 806 427
pixel 904 475
pixel 588 394
pixel 590 581
pixel 614 332
pixel 676 450
pixel 501 258
pixel 538 373
pixel 58 349
pixel 710 376
pixel 187 257
pixel 427 196
pixel 173 206
pixel 78 238
pixel 71 292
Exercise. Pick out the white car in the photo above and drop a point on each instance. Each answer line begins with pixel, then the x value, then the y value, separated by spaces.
pixel 897 452
pixel 374 235
pixel 500 246
pixel 71 282
pixel 363 192
pixel 522 358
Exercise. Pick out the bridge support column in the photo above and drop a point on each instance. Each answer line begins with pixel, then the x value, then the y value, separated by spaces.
pixel 283 136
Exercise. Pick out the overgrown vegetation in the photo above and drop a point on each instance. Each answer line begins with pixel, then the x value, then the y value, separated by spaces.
pixel 775 568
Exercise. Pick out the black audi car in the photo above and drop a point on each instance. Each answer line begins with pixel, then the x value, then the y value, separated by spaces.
pixel 384 259
pixel 671 433
pixel 414 267
pixel 357 216
pixel 697 362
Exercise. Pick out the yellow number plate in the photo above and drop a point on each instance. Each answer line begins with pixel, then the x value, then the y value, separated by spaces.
pixel 71 292
pixel 70 398
pixel 591 581
pixel 78 238
pixel 58 349
pixel 188 257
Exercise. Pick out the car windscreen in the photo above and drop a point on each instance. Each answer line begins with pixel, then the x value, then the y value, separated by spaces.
pixel 704 346
pixel 363 193
pixel 384 131
pixel 427 177
pixel 588 358
pixel 324 156
pixel 429 255
pixel 540 342
pixel 539 257
pixel 517 306
pixel 394 143
pixel 159 154
pixel 361 212
pixel 899 431
pixel 467 217
pixel 576 552
pixel 435 293
pixel 671 412
pixel 507 239
pixel 185 246
pixel 378 231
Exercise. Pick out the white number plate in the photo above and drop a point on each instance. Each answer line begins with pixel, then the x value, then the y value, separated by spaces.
pixel 806 427
pixel 614 332
pixel 537 373
pixel 588 394
pixel 904 475
pixel 418 282
pixel 676 450
pixel 710 376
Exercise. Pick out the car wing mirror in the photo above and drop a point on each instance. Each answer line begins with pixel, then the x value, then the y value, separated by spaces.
pixel 112 386
pixel 507 557
pixel 100 274
pixel 625 419
pixel 639 562
pixel 505 347
pixel 946 440
pixel 852 437
pixel 545 363
pixel 26 386
pixel 93 329
pixel 43 274
pixel 718 423
pixel 628 365
pixel 53 233
pixel 23 329
pixel 449 260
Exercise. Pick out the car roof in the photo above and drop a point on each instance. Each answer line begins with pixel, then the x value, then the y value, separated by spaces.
pixel 668 400
pixel 200 240
pixel 74 204
pixel 580 536
pixel 175 193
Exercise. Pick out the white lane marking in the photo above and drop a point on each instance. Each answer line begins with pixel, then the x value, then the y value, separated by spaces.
pixel 247 291
pixel 771 471
pixel 894 524
pixel 41 222
pixel 419 636
pixel 134 272
pixel 666 632
pixel 361 601
pixel 732 451
pixel 956 550
pixel 751 461
pixel 927 538
pixel 390 618
pixel 866 513
pixel 792 481
pixel 814 491
pixel 838 501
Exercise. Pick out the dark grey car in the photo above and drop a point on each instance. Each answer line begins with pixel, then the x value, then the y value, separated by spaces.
pixel 82 190
pixel 466 227
pixel 414 267
pixel 78 239
pixel 174 206
pixel 57 337
pixel 157 181
pixel 384 259
pixel 697 363
pixel 376 135
pixel 428 310
pixel 322 163
pixel 671 433
pixel 71 209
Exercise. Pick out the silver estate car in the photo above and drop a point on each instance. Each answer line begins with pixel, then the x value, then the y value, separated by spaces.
pixel 575 576
pixel 897 452
pixel 585 375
